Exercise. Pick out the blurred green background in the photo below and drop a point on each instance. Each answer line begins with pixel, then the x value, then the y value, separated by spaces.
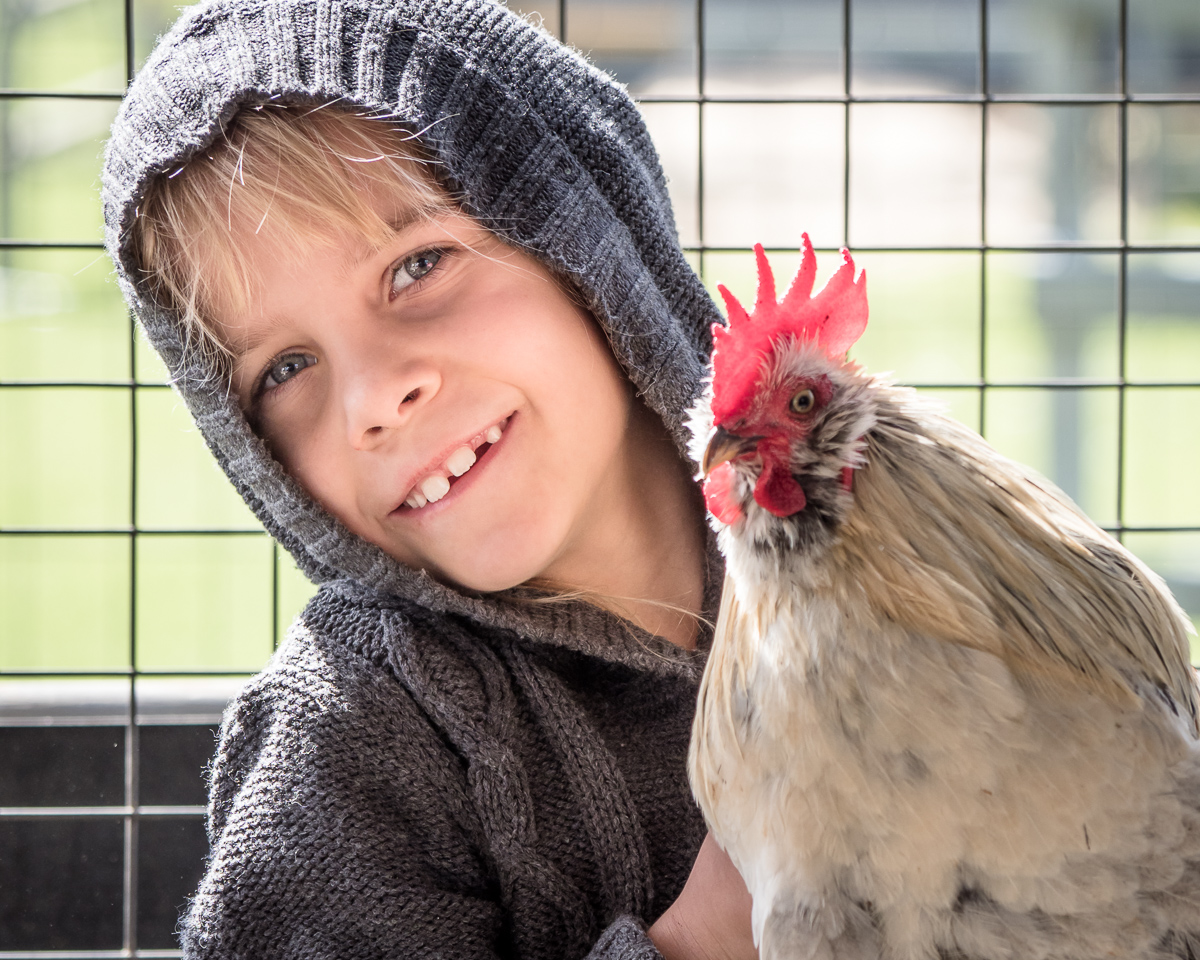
pixel 199 587
pixel 123 547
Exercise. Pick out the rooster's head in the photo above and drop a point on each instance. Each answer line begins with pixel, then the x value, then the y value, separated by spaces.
pixel 782 429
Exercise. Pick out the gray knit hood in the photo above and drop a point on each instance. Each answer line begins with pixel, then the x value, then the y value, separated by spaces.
pixel 544 149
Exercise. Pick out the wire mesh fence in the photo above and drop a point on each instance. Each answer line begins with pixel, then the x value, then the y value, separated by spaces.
pixel 1020 179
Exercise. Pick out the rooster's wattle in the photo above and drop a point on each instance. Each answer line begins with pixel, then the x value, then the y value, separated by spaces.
pixel 945 715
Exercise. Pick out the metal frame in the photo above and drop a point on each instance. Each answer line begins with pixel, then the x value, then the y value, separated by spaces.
pixel 131 811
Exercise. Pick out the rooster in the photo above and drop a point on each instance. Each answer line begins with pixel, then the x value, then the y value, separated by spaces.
pixel 945 716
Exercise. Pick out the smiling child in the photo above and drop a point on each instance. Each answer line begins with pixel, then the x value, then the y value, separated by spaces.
pixel 413 268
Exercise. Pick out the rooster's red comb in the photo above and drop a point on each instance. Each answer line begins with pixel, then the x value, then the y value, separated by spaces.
pixel 834 319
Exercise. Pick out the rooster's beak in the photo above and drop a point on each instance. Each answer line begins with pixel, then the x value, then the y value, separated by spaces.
pixel 724 446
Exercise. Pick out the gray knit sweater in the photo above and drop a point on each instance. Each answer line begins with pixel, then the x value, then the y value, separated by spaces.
pixel 422 772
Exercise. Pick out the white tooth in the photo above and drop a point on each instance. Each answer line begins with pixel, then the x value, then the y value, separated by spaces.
pixel 435 487
pixel 416 500
pixel 493 433
pixel 459 462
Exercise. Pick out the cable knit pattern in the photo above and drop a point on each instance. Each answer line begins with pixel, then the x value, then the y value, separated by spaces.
pixel 422 772
pixel 597 781
pixel 476 708
pixel 404 784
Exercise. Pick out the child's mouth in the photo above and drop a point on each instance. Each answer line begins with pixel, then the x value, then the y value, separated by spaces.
pixel 437 483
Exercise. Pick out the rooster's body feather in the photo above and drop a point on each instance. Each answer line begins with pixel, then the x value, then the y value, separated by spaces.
pixel 945 715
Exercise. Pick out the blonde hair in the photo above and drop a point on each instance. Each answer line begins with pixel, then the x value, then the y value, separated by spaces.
pixel 303 167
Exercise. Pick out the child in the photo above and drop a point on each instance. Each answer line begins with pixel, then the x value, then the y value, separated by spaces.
pixel 413 268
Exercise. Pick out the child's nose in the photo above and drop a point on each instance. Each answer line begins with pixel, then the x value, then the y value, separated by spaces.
pixel 384 400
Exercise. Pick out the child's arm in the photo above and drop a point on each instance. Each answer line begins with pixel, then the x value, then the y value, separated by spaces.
pixel 710 920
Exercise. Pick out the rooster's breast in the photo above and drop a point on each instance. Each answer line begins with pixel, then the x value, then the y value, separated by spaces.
pixel 841 762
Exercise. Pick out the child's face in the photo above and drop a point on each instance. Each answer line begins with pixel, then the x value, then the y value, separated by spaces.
pixel 376 375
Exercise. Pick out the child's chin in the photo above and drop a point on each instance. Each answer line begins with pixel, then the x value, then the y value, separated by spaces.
pixel 474 550
pixel 507 571
pixel 489 581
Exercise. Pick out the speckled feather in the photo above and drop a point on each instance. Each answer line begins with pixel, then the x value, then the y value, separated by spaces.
pixel 945 716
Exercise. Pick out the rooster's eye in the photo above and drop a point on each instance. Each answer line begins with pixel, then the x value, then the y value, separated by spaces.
pixel 803 402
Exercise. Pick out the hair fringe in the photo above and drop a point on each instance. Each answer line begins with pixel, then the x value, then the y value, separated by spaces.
pixel 189 260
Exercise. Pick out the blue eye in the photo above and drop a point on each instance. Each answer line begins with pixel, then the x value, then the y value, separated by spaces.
pixel 411 269
pixel 284 367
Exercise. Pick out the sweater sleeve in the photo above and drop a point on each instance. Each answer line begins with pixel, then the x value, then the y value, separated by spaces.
pixel 341 826
pixel 625 939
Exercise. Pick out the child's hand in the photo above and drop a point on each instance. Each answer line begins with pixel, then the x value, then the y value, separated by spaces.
pixel 711 918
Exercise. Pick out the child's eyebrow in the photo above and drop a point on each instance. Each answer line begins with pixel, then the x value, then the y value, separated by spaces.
pixel 397 223
pixel 242 345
